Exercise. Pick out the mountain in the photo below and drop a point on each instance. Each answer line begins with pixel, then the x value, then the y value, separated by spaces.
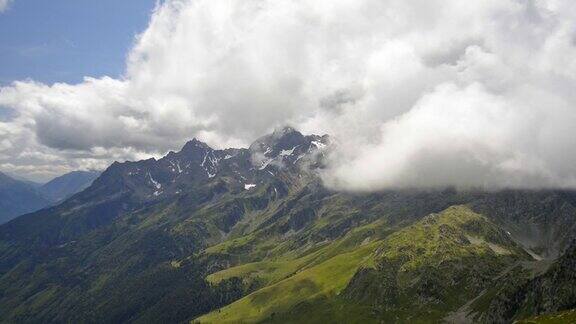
pixel 552 291
pixel 25 180
pixel 68 184
pixel 252 235
pixel 18 197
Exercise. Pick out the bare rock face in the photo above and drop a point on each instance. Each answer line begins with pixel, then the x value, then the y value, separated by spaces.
pixel 550 292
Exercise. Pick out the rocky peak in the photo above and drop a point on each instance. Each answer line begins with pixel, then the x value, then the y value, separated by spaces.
pixel 284 131
pixel 285 146
pixel 197 162
pixel 195 145
pixel 281 139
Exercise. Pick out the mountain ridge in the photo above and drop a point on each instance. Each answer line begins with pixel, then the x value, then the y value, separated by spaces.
pixel 66 185
pixel 18 197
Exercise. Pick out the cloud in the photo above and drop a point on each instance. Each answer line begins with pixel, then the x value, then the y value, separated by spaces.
pixel 465 137
pixel 4 5
pixel 417 93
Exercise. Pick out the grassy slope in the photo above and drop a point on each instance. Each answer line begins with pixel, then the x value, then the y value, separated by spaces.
pixel 434 266
pixel 324 280
pixel 307 288
pixel 311 274
pixel 281 264
pixel 559 318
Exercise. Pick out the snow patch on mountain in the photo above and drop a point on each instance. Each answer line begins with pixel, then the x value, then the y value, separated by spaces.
pixel 319 144
pixel 264 163
pixel 210 163
pixel 154 182
pixel 287 152
pixel 175 167
pixel 299 157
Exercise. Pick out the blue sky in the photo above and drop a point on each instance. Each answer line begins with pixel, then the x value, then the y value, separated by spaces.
pixel 65 40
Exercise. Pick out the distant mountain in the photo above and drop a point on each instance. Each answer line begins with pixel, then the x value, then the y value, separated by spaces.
pixel 251 235
pixel 66 185
pixel 25 180
pixel 18 197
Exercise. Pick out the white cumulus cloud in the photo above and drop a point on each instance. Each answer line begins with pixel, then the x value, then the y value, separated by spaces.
pixel 4 5
pixel 416 93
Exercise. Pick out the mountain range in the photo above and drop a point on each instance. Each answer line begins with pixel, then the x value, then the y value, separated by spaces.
pixel 253 236
pixel 68 184
pixel 20 196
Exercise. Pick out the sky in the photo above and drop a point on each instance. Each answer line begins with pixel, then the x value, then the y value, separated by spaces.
pixel 63 41
pixel 414 93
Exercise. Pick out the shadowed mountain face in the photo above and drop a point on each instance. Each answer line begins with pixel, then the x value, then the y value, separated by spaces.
pixel 252 235
pixel 18 197
pixel 66 185
pixel 553 291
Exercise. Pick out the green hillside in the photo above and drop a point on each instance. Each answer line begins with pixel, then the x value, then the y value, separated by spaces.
pixel 558 318
pixel 453 255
